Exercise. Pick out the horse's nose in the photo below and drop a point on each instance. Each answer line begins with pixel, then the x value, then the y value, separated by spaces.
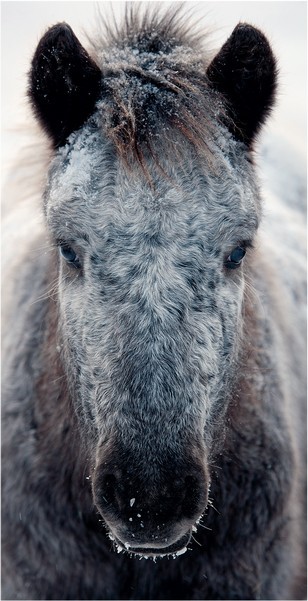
pixel 150 512
pixel 179 498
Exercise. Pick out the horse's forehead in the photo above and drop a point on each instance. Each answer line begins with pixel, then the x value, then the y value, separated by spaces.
pixel 88 183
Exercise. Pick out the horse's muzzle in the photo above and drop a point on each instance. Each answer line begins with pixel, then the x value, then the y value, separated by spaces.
pixel 151 512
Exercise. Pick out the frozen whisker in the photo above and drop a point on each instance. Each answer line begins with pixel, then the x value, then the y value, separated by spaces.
pixel 210 503
pixel 200 545
pixel 205 527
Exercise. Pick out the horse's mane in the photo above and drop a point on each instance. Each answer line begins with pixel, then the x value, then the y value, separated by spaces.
pixel 154 81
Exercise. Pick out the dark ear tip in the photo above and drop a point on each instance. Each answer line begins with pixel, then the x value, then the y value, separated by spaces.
pixel 246 28
pixel 58 29
pixel 58 34
pixel 250 38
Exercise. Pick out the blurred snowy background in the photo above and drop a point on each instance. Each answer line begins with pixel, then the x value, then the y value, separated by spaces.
pixel 283 142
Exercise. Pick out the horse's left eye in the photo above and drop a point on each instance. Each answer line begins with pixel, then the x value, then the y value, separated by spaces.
pixel 235 258
pixel 69 255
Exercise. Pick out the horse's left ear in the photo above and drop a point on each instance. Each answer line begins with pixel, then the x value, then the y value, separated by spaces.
pixel 245 73
pixel 64 83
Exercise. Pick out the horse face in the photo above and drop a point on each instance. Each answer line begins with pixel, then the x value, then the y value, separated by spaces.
pixel 151 257
pixel 151 280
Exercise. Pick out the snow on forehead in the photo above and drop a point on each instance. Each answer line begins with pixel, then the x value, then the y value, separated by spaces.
pixel 86 159
pixel 74 164
pixel 116 58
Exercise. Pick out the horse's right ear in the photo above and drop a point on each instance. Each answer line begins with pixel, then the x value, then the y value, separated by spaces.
pixel 245 73
pixel 64 83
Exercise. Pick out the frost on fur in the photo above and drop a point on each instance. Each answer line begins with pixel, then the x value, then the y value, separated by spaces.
pixel 151 350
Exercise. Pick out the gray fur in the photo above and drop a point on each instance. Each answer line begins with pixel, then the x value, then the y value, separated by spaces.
pixel 157 366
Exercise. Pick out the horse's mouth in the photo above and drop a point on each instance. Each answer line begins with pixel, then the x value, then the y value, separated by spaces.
pixel 146 551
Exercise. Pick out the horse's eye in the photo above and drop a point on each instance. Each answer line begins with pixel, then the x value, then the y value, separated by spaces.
pixel 235 258
pixel 69 255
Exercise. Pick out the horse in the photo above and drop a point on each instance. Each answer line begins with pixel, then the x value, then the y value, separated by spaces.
pixel 153 387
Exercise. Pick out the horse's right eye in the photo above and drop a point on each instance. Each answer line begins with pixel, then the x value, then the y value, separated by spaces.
pixel 69 255
pixel 235 258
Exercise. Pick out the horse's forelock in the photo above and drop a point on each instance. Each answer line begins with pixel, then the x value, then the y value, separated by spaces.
pixel 154 84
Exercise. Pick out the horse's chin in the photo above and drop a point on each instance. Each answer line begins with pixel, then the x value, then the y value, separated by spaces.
pixel 147 551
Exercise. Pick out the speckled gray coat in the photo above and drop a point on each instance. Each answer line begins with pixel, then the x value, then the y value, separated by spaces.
pixel 153 386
